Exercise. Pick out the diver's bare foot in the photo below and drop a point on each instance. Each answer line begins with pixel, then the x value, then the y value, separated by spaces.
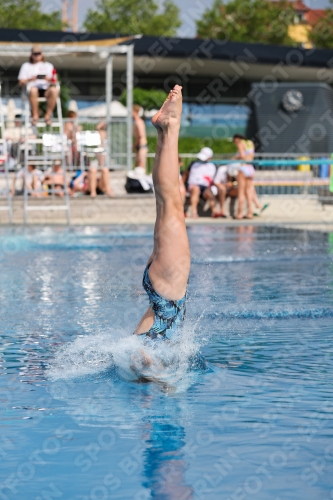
pixel 169 115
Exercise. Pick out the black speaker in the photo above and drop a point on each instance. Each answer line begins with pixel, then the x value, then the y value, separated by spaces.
pixel 291 117
pixel 135 186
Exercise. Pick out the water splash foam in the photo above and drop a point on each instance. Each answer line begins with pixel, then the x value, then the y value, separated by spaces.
pixel 167 363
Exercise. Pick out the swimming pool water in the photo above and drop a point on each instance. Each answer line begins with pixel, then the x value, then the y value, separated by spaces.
pixel 254 422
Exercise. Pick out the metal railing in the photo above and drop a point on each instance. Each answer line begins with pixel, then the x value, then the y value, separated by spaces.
pixel 115 140
pixel 276 174
pixel 117 143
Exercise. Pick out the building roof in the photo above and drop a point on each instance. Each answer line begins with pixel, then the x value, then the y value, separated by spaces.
pixel 300 6
pixel 181 57
pixel 312 16
pixel 209 50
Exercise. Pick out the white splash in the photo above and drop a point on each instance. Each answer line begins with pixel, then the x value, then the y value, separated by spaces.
pixel 164 362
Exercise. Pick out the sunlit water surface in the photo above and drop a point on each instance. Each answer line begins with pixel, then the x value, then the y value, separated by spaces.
pixel 240 406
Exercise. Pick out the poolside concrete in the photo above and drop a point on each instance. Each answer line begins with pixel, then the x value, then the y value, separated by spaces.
pixel 288 211
pixel 293 211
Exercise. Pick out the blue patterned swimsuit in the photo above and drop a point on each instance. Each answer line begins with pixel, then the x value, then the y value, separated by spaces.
pixel 168 313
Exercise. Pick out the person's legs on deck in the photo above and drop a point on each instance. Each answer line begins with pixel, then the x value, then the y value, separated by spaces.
pixel 36 186
pixel 249 197
pixel 33 96
pixel 101 157
pixel 241 179
pixel 104 182
pixel 92 181
pixel 257 203
pixel 170 260
pixel 208 195
pixel 221 195
pixel 51 95
pixel 194 200
pixel 29 185
pixel 141 157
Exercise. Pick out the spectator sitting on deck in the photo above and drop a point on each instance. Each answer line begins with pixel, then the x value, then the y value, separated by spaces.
pixel 55 178
pixel 78 183
pixel 32 179
pixel 98 184
pixel 199 177
pixel 81 182
pixel 38 76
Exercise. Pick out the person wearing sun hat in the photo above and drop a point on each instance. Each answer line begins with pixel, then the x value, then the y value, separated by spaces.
pixel 39 77
pixel 199 178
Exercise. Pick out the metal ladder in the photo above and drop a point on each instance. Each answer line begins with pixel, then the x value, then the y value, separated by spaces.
pixel 48 146
pixel 4 161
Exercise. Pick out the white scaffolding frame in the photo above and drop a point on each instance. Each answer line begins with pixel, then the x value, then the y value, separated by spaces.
pixel 105 52
pixel 6 192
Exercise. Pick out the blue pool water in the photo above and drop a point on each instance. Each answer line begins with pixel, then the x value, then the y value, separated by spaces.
pixel 253 420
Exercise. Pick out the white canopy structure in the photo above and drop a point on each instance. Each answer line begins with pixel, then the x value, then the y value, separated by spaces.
pixel 100 111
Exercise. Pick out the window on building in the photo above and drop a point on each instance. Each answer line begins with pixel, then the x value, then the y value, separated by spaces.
pixel 299 18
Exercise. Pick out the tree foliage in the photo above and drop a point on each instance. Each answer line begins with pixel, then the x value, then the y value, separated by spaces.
pixel 27 14
pixel 148 99
pixel 321 34
pixel 65 95
pixel 134 17
pixel 257 21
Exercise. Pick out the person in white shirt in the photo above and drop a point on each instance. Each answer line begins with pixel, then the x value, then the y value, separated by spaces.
pixel 38 76
pixel 33 179
pixel 199 177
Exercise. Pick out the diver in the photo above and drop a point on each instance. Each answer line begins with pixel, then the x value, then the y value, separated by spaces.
pixel 166 275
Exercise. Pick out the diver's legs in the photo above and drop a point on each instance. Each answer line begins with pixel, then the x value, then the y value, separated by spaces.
pixel 171 255
pixel 170 260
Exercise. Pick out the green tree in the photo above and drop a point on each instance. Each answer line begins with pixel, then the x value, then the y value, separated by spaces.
pixel 321 34
pixel 257 21
pixel 148 99
pixel 134 17
pixel 27 14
